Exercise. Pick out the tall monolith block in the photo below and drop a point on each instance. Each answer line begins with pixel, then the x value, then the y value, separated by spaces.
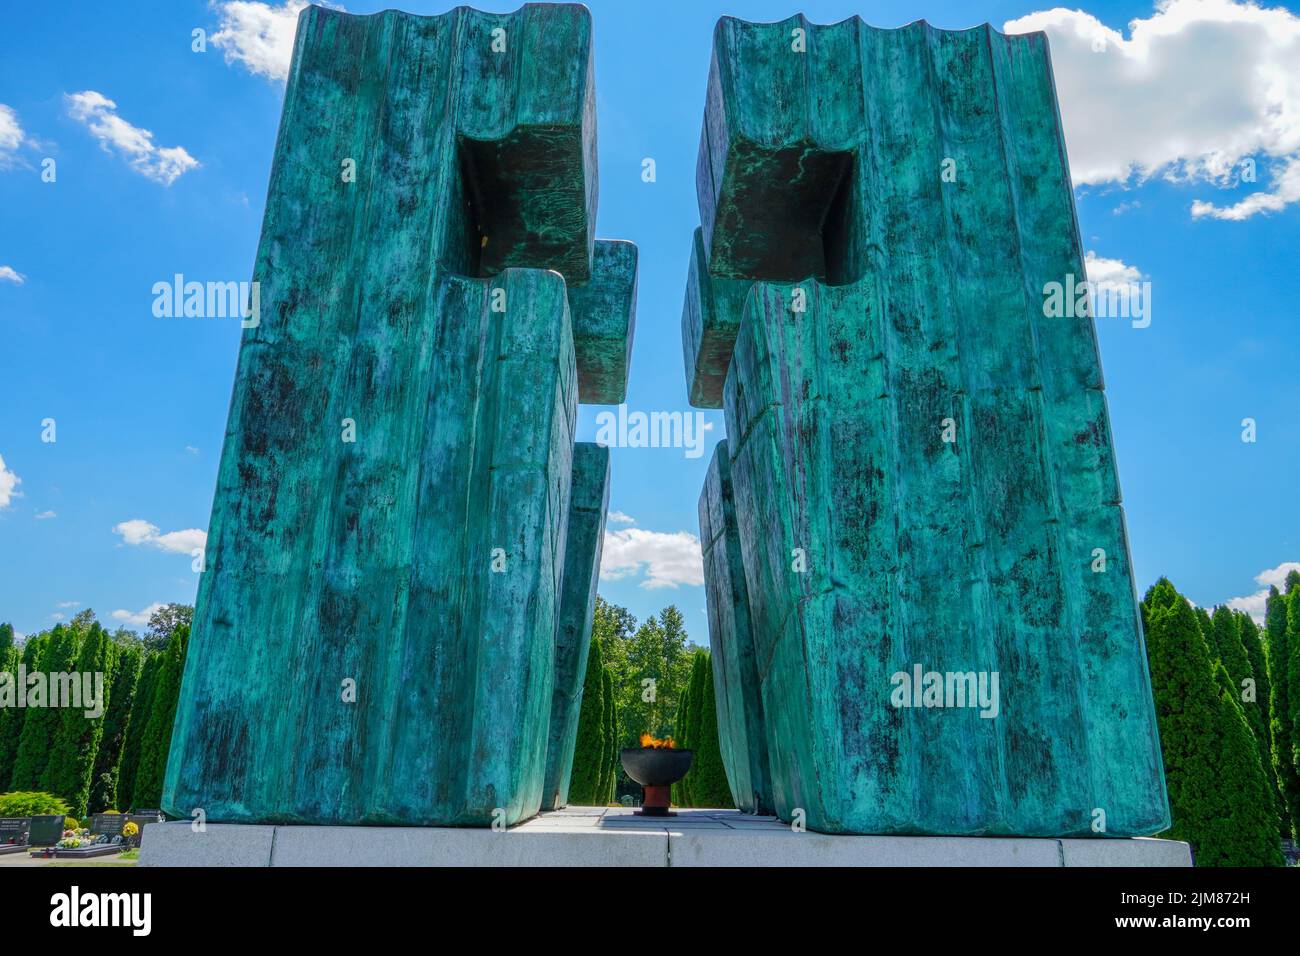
pixel 742 732
pixel 937 582
pixel 388 562
pixel 588 506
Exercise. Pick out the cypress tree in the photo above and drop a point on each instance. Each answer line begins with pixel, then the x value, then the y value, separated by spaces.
pixel 10 716
pixel 13 720
pixel 6 640
pixel 1233 655
pixel 615 743
pixel 1206 624
pixel 1279 658
pixel 688 708
pixel 121 699
pixel 589 748
pixel 76 738
pixel 58 656
pixel 1291 746
pixel 1250 640
pixel 710 787
pixel 1218 794
pixel 156 744
pixel 606 784
pixel 133 742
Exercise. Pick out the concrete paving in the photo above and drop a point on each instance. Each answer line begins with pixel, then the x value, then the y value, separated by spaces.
pixel 615 836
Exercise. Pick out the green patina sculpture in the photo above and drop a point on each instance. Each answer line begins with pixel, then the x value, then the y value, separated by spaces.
pixel 401 558
pixel 918 476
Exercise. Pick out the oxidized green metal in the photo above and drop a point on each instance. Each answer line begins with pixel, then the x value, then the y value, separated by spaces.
pixel 738 690
pixel 393 551
pixel 920 462
pixel 588 505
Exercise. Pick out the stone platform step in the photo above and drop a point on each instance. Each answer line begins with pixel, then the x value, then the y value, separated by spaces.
pixel 598 836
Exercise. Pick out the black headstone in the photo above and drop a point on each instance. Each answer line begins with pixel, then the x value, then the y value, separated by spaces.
pixel 46 830
pixel 14 829
pixel 110 823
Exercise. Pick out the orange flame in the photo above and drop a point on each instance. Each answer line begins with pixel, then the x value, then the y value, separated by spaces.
pixel 654 743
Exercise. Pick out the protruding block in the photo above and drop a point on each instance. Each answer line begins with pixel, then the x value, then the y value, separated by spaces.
pixel 374 635
pixel 604 320
pixel 710 321
pixel 742 733
pixel 588 505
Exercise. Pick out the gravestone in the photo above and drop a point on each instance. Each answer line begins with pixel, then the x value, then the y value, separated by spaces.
pixel 379 623
pixel 919 478
pixel 13 830
pixel 110 823
pixel 46 829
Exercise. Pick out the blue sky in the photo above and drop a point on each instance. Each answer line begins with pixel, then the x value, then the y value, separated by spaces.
pixel 162 158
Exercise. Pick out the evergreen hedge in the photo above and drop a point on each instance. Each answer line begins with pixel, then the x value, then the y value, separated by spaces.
pixel 1218 794
pixel 589 751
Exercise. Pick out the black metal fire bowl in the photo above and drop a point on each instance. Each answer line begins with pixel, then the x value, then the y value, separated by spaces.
pixel 656 767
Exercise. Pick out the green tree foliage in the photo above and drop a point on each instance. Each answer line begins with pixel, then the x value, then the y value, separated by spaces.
pixel 59 655
pixel 156 743
pixel 589 752
pixel 76 738
pixel 1206 624
pixel 1236 659
pixel 32 654
pixel 688 718
pixel 133 743
pixel 6 640
pixel 605 788
pixel 658 669
pixel 1279 657
pixel 1218 793
pixel 1290 747
pixel 121 699
pixel 26 803
pixel 11 716
pixel 612 627
pixel 1248 632
pixel 614 742
pixel 705 785
pixel 710 787
pixel 164 622
pixel 1250 639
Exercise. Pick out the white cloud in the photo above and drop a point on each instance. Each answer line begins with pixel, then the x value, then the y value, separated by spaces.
pixel 162 164
pixel 258 35
pixel 621 517
pixel 69 604
pixel 1110 273
pixel 1197 89
pixel 1255 604
pixel 9 274
pixel 11 136
pixel 666 559
pixel 191 449
pixel 8 482
pixel 44 515
pixel 137 618
pixel 137 531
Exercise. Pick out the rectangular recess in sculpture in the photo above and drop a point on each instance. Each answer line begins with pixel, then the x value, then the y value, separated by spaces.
pixel 921 459
pixel 375 632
